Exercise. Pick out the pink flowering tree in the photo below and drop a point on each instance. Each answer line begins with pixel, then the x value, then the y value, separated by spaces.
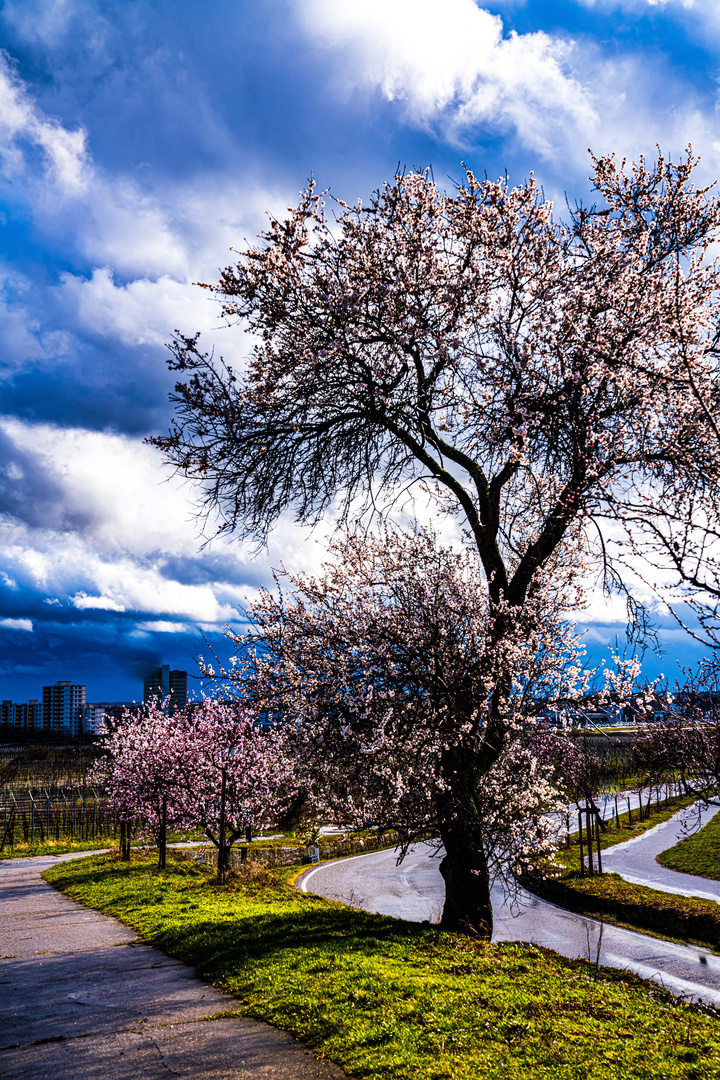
pixel 139 773
pixel 551 383
pixel 233 773
pixel 209 766
pixel 382 672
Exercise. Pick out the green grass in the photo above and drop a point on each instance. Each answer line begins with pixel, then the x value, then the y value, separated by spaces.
pixel 698 854
pixel 23 849
pixel 388 1000
pixel 55 847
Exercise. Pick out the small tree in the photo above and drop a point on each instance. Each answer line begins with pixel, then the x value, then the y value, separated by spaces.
pixel 578 773
pixel 382 671
pixel 140 774
pixel 685 741
pixel 233 773
pixel 209 766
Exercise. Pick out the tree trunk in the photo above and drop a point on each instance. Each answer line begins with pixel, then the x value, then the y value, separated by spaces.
pixel 125 832
pixel 597 839
pixel 162 844
pixel 467 885
pixel 222 844
pixel 588 833
pixel 244 849
pixel 464 867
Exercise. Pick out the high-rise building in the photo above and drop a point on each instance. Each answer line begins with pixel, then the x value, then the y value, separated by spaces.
pixel 34 715
pixel 162 683
pixel 21 718
pixel 7 715
pixel 63 708
pixel 93 719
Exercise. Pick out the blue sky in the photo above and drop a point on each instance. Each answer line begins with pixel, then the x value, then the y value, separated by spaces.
pixel 139 141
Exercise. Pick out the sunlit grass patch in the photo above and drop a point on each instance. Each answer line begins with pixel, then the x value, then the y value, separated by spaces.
pixel 385 998
pixel 25 850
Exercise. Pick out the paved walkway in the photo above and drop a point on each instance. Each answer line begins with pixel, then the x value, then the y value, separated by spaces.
pixel 636 860
pixel 83 998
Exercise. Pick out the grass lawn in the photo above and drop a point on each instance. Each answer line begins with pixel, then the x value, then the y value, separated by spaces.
pixel 677 918
pixel 55 847
pixel 698 854
pixel 388 999
pixel 23 849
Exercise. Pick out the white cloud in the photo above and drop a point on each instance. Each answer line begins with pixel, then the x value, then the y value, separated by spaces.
pixel 44 21
pixel 641 6
pixel 129 229
pixel 136 534
pixel 454 67
pixel 24 339
pixel 103 603
pixel 147 242
pixel 22 123
pixel 455 72
pixel 140 312
pixel 700 17
pixel 16 624
pixel 145 312
pixel 71 566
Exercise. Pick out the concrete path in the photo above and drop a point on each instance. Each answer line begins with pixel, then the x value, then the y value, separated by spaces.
pixel 415 891
pixel 636 860
pixel 83 998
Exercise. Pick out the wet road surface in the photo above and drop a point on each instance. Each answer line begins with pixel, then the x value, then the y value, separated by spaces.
pixel 636 860
pixel 414 890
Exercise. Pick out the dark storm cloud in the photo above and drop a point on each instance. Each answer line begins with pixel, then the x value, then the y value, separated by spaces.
pixel 110 661
pixel 132 399
pixel 57 370
pixel 224 567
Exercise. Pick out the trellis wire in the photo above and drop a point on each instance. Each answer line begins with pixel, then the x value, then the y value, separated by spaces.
pixel 38 815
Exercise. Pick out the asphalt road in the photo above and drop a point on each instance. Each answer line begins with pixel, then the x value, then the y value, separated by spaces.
pixel 415 891
pixel 83 998
pixel 636 860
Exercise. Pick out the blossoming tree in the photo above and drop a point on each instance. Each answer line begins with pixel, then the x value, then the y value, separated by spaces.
pixel 209 766
pixel 233 773
pixel 387 666
pixel 139 773
pixel 684 743
pixel 542 379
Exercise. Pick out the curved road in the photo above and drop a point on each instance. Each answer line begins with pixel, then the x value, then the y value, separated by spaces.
pixel 636 860
pixel 83 997
pixel 415 891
